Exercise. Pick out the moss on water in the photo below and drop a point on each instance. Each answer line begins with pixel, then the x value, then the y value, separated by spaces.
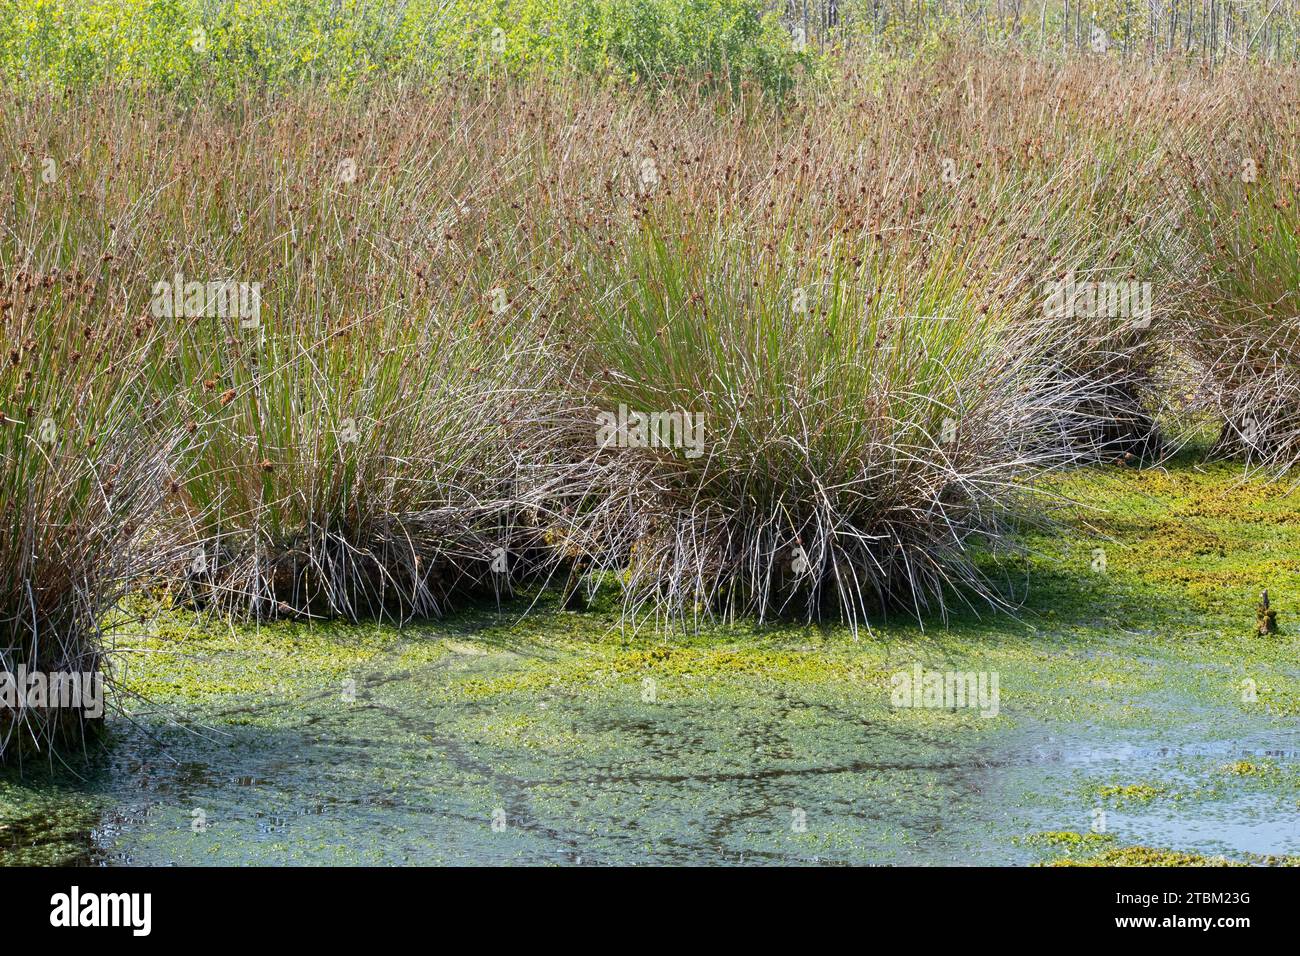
pixel 1071 848
pixel 678 667
pixel 1066 838
pixel 1205 537
pixel 1251 768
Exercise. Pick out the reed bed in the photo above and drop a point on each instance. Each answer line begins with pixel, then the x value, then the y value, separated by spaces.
pixel 384 350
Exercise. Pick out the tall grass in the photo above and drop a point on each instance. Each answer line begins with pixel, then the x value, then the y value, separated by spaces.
pixel 863 436
pixel 355 444
pixel 459 282
pixel 1243 332
pixel 84 473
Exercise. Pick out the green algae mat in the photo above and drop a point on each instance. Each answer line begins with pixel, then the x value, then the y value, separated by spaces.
pixel 1124 713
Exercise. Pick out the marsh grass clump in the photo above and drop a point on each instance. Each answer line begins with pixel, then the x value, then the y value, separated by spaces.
pixel 84 462
pixel 344 335
pixel 1245 338
pixel 1107 226
pixel 861 441
pixel 84 452
pixel 1240 333
pixel 355 471
pixel 360 445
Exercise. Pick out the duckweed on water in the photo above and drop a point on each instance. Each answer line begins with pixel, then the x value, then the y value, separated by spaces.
pixel 44 827
pixel 1250 768
pixel 1143 856
pixel 1129 793
pixel 1098 849
pixel 180 660
pixel 1120 689
pixel 1149 856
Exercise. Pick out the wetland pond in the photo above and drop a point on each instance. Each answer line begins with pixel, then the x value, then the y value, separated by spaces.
pixel 1138 720
pixel 448 749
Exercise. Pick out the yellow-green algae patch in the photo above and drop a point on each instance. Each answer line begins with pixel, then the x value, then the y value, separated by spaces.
pixel 181 659
pixel 1208 535
pixel 44 827
pixel 1143 856
pixel 1072 848
pixel 1156 857
pixel 1251 768
pixel 1129 793
pixel 679 666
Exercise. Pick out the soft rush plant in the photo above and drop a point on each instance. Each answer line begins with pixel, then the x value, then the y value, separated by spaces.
pixel 85 448
pixel 84 472
pixel 1243 331
pixel 372 466
pixel 862 440
pixel 355 444
pixel 358 446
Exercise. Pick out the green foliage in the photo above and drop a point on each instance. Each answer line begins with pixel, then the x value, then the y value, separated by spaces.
pixel 231 44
